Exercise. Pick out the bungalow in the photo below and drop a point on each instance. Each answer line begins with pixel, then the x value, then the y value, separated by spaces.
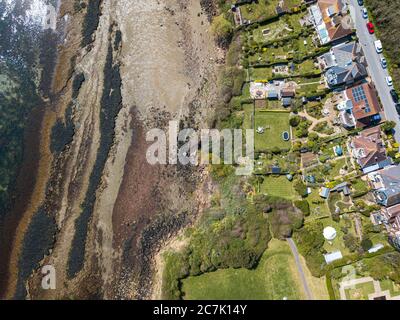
pixel 386 184
pixel 369 151
pixel 360 107
pixel 344 64
pixel 331 21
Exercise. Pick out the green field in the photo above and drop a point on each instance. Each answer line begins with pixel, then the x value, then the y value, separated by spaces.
pixel 274 123
pixel 275 278
pixel 278 187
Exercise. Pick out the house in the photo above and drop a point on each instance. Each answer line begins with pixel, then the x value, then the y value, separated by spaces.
pixel 386 185
pixel 390 217
pixel 369 151
pixel 331 20
pixel 360 107
pixel 344 64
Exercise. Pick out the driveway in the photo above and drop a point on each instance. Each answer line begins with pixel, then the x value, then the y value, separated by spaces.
pixel 377 73
pixel 296 255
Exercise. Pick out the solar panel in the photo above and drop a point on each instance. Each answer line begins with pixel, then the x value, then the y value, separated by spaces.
pixel 359 95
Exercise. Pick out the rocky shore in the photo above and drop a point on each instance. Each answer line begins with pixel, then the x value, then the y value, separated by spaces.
pixel 147 63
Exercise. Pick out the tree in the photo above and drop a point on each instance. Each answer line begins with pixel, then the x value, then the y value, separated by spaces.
pixel 294 121
pixel 366 244
pixel 351 242
pixel 301 188
pixel 222 30
pixel 388 126
pixel 304 206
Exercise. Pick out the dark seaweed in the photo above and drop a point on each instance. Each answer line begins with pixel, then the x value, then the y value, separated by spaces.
pixel 91 21
pixel 111 103
pixel 38 240
pixel 63 132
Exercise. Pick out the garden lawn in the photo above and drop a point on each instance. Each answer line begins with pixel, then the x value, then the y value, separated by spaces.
pixel 318 206
pixel 278 187
pixel 275 278
pixel 274 124
pixel 361 291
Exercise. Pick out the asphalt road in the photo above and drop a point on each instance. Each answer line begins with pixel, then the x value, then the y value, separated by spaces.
pixel 377 73
pixel 295 252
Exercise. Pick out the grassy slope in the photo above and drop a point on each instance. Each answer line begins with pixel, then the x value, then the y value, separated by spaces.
pixel 274 279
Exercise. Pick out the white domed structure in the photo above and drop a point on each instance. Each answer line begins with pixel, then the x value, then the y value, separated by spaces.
pixel 330 233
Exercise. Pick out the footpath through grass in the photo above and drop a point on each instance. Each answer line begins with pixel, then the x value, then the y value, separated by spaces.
pixel 275 278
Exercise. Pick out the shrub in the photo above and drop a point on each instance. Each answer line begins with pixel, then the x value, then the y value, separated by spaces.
pixel 366 244
pixel 222 30
pixel 304 206
pixel 301 188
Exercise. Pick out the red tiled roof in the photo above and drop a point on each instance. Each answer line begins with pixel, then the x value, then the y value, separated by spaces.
pixel 363 110
pixel 370 141
pixel 335 28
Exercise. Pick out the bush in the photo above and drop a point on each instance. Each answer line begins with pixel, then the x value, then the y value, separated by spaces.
pixel 351 242
pixel 222 30
pixel 301 188
pixel 366 244
pixel 295 121
pixel 304 206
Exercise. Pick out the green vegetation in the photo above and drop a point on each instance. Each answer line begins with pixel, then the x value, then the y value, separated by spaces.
pixel 304 206
pixel 310 242
pixel 278 187
pixel 273 279
pixel 274 125
pixel 222 30
pixel 233 234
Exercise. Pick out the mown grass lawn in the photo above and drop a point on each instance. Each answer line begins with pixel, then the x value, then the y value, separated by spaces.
pixel 278 187
pixel 274 124
pixel 275 278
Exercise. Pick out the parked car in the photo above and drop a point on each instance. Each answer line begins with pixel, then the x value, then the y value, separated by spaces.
pixel 370 27
pixel 364 13
pixel 360 2
pixel 394 95
pixel 383 63
pixel 389 81
pixel 398 108
pixel 378 46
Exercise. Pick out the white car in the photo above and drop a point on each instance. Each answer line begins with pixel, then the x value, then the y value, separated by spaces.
pixel 383 63
pixel 364 13
pixel 389 81
pixel 378 46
